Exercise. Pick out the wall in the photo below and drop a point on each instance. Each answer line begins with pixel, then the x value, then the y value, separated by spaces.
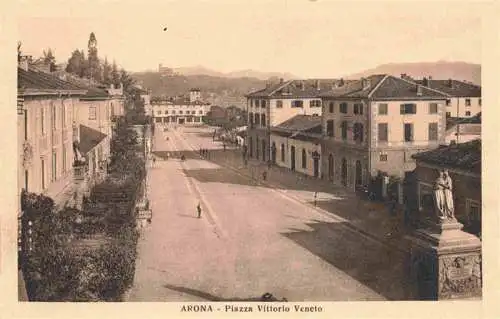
pixel 457 107
pixel 310 147
pixel 44 145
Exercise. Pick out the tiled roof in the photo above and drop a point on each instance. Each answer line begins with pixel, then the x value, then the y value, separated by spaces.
pixel 96 93
pixel 89 138
pixel 297 88
pixel 94 90
pixel 307 124
pixel 453 88
pixel 384 87
pixel 37 80
pixel 465 156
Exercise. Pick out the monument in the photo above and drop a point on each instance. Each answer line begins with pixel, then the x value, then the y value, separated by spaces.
pixel 445 261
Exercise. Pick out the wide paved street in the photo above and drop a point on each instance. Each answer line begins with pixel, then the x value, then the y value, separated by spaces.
pixel 249 240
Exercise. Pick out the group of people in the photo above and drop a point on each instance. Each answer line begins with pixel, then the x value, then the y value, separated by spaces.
pixel 204 153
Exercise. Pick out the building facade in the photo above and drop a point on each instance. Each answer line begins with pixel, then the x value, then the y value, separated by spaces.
pixel 45 132
pixel 182 111
pixel 464 99
pixel 375 125
pixel 463 163
pixel 280 102
pixel 296 145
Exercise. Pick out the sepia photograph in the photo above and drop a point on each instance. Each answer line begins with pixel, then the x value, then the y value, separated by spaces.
pixel 237 156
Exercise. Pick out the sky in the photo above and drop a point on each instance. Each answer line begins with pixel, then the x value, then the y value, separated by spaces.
pixel 321 38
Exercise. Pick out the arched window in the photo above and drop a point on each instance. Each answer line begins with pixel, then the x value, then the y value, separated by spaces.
pixel 330 107
pixel 282 152
pixel 304 159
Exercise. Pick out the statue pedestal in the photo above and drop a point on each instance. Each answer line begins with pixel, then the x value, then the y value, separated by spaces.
pixel 445 262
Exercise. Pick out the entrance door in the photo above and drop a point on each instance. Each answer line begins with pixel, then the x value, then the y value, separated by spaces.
pixel 316 164
pixel 330 167
pixel 344 172
pixel 263 150
pixel 273 153
pixel 250 144
pixel 359 174
pixel 292 158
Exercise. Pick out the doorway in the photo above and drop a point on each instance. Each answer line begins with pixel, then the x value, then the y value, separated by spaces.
pixel 273 153
pixel 316 164
pixel 359 174
pixel 344 172
pixel 292 158
pixel 330 167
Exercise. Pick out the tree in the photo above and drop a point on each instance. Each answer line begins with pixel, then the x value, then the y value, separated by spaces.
pixel 77 64
pixel 106 72
pixel 115 75
pixel 93 59
pixel 126 80
pixel 48 58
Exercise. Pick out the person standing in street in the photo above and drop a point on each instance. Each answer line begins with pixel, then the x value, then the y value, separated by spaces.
pixel 198 208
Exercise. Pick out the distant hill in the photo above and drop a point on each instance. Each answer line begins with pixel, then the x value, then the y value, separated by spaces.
pixel 201 70
pixel 440 70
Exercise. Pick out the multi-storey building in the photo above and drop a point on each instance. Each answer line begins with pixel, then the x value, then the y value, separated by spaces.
pixel 279 102
pixel 45 132
pixel 376 124
pixel 184 110
pixel 464 99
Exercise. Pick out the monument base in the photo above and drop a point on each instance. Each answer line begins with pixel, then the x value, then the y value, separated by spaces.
pixel 445 262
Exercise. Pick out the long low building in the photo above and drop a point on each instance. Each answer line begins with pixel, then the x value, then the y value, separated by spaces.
pixel 183 110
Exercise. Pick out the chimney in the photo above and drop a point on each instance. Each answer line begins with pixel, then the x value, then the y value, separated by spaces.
pixel 23 63
pixel 318 85
pixel 425 82
pixel 419 90
pixel 365 83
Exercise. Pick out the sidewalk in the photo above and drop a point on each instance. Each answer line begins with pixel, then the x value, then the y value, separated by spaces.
pixel 372 219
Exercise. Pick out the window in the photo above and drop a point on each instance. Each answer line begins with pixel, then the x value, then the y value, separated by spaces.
pixel 382 109
pixel 92 113
pixel 383 132
pixel 383 157
pixel 250 117
pixel 467 102
pixel 166 111
pixel 343 108
pixel 433 131
pixel 54 167
pixel 448 102
pixel 263 103
pixel 297 103
pixel 448 114
pixel 473 212
pixel 200 112
pixel 257 104
pixel 63 115
pixel 433 108
pixel 330 128
pixel 344 130
pixel 315 103
pixel 42 120
pixel 279 104
pixel 358 108
pixel 263 119
pixel 180 112
pixel 64 166
pixel 25 124
pixel 304 159
pixel 43 173
pixel 408 131
pixel 358 132
pixel 408 108
pixel 282 152
pixel 330 106
pixel 173 112
pixel 467 113
pixel 53 116
pixel 257 119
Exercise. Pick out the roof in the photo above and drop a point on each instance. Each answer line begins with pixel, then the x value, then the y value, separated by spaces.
pixel 297 88
pixel 465 156
pixel 36 81
pixel 385 87
pixel 453 121
pixel 300 125
pixel 176 101
pixel 453 88
pixel 89 138
pixel 96 93
pixel 94 89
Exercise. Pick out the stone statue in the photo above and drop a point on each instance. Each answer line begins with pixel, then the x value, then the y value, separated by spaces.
pixel 443 197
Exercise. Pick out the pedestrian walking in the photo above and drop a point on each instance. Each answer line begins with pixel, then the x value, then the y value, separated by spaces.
pixel 224 145
pixel 198 208
pixel 154 161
